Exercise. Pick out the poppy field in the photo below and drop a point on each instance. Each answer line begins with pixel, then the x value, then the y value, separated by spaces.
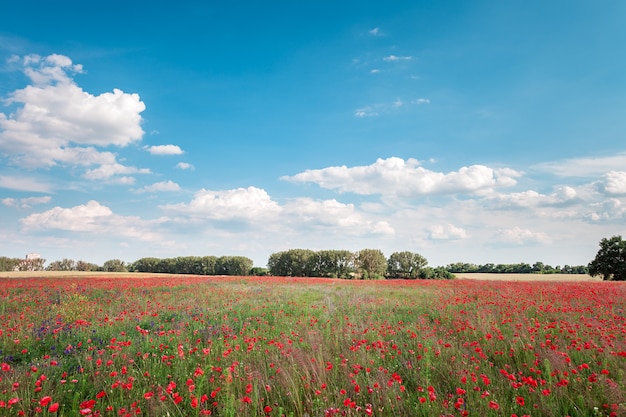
pixel 271 346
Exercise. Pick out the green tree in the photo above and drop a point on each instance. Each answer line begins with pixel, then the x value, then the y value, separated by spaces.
pixel 114 265
pixel 292 263
pixel 233 265
pixel 332 263
pixel 64 265
pixel 370 264
pixel 610 261
pixel 9 264
pixel 405 265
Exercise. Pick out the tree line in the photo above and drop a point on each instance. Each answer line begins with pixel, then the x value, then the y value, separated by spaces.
pixel 521 268
pixel 609 263
pixel 363 264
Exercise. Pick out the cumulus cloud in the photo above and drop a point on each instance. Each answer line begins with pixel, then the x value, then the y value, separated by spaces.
pixel 375 32
pixel 160 187
pixel 395 176
pixel 531 198
pixel 56 122
pixel 25 203
pixel 606 211
pixel 184 166
pixel 256 208
pixel 242 204
pixel 613 183
pixel 446 232
pixel 334 214
pixel 519 236
pixel 91 217
pixel 164 150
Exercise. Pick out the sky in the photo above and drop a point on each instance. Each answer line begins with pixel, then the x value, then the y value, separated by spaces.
pixel 479 132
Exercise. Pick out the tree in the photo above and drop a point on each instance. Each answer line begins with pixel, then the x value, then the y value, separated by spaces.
pixel 610 261
pixel 233 265
pixel 332 263
pixel 114 265
pixel 405 265
pixel 9 264
pixel 64 265
pixel 370 263
pixel 292 263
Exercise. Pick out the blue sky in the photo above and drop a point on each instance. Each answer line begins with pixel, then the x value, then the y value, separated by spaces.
pixel 478 132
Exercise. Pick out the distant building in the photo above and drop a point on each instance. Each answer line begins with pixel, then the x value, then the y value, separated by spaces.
pixel 32 262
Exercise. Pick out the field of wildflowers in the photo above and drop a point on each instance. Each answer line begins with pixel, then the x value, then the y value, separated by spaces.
pixel 244 346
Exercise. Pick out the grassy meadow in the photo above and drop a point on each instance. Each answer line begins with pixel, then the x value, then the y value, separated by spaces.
pixel 158 345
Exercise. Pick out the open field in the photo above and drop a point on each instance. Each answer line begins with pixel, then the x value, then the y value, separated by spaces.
pixel 273 346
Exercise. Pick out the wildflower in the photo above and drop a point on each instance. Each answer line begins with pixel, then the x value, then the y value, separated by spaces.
pixel 494 405
pixel 53 408
pixel 246 400
pixel 45 401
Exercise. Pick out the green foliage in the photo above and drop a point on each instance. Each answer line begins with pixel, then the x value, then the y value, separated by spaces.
pixel 31 264
pixel 9 264
pixel 435 273
pixel 114 265
pixel 610 261
pixel 292 263
pixel 63 265
pixel 521 268
pixel 405 265
pixel 258 271
pixel 371 264
pixel 332 263
pixel 233 265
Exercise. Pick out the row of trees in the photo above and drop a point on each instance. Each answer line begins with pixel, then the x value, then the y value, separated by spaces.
pixel 521 268
pixel 364 264
pixel 21 264
pixel 197 265
pixel 610 263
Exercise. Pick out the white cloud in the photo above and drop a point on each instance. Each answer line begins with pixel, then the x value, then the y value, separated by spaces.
pixel 584 167
pixel 386 108
pixel 92 217
pixel 255 207
pixel 606 211
pixel 243 204
pixel 184 165
pixel 519 236
pixel 446 232
pixel 25 203
pixel 160 187
pixel 23 184
pixel 333 214
pixel 375 32
pixel 107 171
pixel 395 176
pixel 365 112
pixel 613 182
pixel 394 58
pixel 164 150
pixel 57 122
pixel 531 198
